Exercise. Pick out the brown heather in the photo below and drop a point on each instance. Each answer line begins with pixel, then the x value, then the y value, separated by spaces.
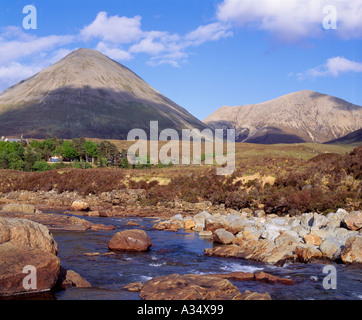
pixel 322 183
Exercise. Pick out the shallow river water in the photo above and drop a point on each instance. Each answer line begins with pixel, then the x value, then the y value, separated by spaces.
pixel 182 253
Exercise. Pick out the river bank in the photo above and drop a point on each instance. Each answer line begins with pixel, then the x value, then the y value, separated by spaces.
pixel 235 238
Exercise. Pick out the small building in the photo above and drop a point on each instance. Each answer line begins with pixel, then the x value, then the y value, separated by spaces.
pixel 14 140
pixel 55 159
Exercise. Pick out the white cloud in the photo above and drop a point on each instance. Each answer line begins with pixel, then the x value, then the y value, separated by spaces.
pixel 14 72
pixel 113 52
pixel 148 45
pixel 115 29
pixel 291 20
pixel 122 37
pixel 333 67
pixel 22 45
pixel 23 54
pixel 210 32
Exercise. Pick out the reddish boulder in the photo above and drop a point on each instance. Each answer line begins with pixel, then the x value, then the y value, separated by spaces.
pixel 70 279
pixel 352 252
pixel 25 270
pixel 189 287
pixel 353 221
pixel 79 205
pixel 130 240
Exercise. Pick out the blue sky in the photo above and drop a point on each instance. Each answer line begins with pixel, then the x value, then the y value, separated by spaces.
pixel 202 54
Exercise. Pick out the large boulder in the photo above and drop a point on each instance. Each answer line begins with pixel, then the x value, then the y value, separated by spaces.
pixel 331 248
pixel 307 253
pixel 27 233
pixel 19 262
pixel 234 223
pixel 28 261
pixel 71 279
pixel 352 252
pixel 353 221
pixel 213 223
pixel 189 287
pixel 79 205
pixel 189 223
pixel 312 239
pixel 130 240
pixel 271 232
pixel 223 236
pixel 319 221
pixel 307 219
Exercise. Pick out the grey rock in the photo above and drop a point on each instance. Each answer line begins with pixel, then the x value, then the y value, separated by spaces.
pixel 331 248
pixel 319 221
pixel 223 236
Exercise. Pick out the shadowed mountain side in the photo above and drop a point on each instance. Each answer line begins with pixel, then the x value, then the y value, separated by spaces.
pixel 87 94
pixel 354 138
pixel 92 113
pixel 272 135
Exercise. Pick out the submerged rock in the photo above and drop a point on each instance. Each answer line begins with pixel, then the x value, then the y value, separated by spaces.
pixel 133 287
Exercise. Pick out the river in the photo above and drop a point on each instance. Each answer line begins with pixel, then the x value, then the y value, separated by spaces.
pixel 182 253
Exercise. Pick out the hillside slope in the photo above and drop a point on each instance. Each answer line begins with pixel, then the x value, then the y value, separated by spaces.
pixel 86 94
pixel 304 116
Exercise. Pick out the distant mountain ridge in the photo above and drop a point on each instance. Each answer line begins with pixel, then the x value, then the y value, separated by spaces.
pixel 86 94
pixel 354 138
pixel 304 116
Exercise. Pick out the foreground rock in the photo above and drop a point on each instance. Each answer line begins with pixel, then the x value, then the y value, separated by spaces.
pixel 130 240
pixel 71 279
pixel 223 236
pixel 204 287
pixel 27 234
pixel 353 221
pixel 28 261
pixel 352 252
pixel 194 287
pixel 18 262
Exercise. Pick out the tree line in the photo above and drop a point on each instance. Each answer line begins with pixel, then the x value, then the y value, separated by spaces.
pixel 78 153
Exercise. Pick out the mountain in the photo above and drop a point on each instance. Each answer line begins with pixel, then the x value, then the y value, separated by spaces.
pixel 354 138
pixel 86 94
pixel 304 116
